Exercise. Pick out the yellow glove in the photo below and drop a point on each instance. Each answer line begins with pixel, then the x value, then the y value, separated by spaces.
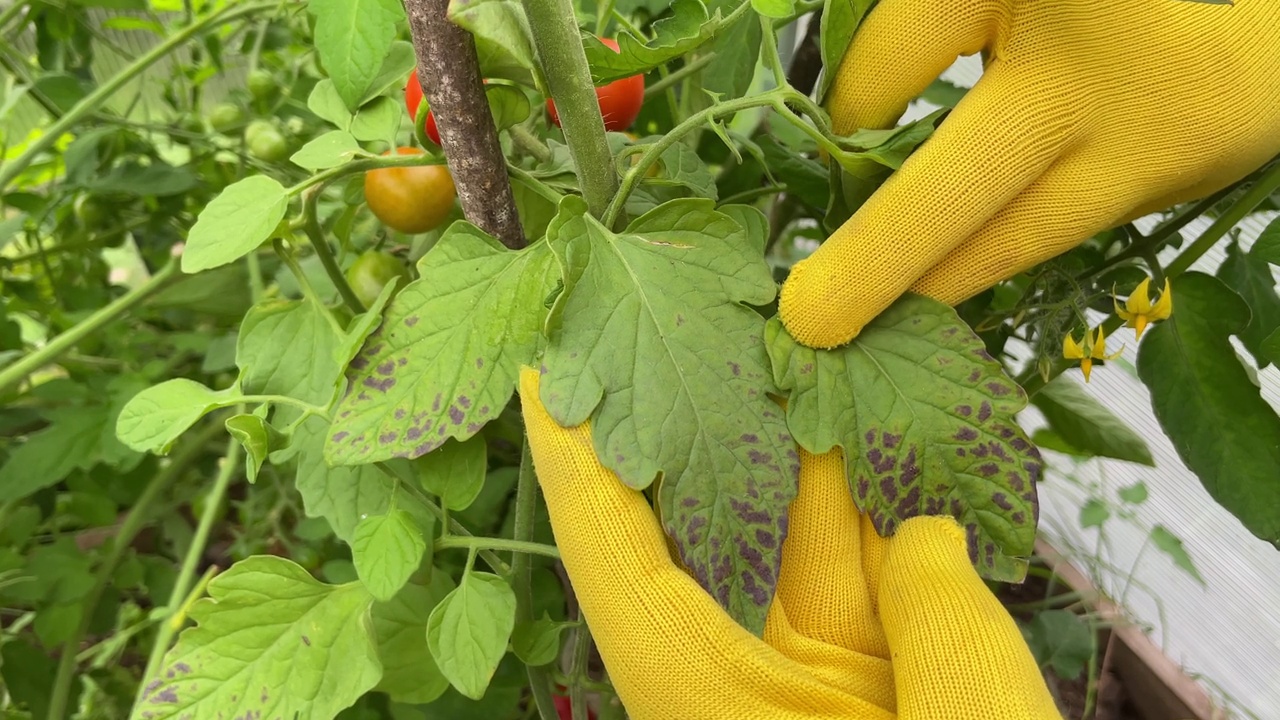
pixel 861 627
pixel 1089 114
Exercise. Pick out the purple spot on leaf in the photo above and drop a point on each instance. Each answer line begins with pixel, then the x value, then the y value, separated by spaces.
pixel 988 469
pixel 340 436
pixel 411 321
pixel 388 437
pixel 387 368
pixel 455 415
pixel 749 438
pixel 966 434
pixel 1002 501
pixel 964 410
pixel 984 411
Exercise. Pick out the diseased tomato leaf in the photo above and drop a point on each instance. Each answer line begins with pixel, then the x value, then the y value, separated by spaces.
pixel 925 418
pixel 653 341
pixel 445 359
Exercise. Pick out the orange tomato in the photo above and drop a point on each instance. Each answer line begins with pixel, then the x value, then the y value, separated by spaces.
pixel 410 199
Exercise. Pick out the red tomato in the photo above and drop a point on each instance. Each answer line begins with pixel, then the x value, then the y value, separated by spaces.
pixel 412 99
pixel 564 710
pixel 620 100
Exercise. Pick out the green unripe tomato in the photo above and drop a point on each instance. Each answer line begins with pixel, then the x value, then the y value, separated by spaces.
pixel 226 117
pixel 306 556
pixel 262 85
pixel 269 146
pixel 90 212
pixel 372 271
pixel 258 127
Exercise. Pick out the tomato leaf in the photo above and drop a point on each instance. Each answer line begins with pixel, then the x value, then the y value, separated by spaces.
pixel 329 150
pixel 1061 640
pixel 774 8
pixel 840 20
pixel 154 419
pixel 653 341
pixel 454 472
pixel 1216 417
pixel 1271 347
pixel 287 347
pixel 446 357
pixel 409 673
pixel 386 550
pixel 255 435
pixel 925 418
pixel 327 104
pixel 70 441
pixel 241 218
pixel 737 51
pixel 269 640
pixel 538 642
pixel 378 121
pixel 469 629
pixel 1267 246
pixel 503 41
pixel 1171 545
pixel 1086 425
pixel 353 38
pixel 1251 277
pixel 687 27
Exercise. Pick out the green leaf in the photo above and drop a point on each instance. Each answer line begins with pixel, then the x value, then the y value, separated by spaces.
pixel 353 38
pixel 71 440
pixel 857 173
pixel 509 105
pixel 241 218
pixel 154 419
pixel 255 435
pixel 1271 347
pixel 399 62
pixel 344 495
pixel 737 52
pixel 1060 640
pixel 840 20
pixel 1219 423
pixel 329 150
pixel 378 121
pixel 1135 494
pixel 1171 545
pixel 1083 422
pixel 28 674
pixel 387 549
pixel 454 472
pixel 327 104
pixel 446 357
pixel 653 341
pixel 687 27
pixel 925 418
pixel 1094 513
pixel 1267 246
pixel 270 641
pixel 409 673
pixel 503 40
pixel 777 9
pixel 288 347
pixel 538 642
pixel 1250 276
pixel 806 179
pixel 469 629
pixel 943 94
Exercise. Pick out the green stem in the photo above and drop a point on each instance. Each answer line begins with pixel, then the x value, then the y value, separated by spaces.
pixel 521 569
pixel 678 76
pixel 534 184
pixel 308 290
pixel 56 347
pixel 133 523
pixel 1161 234
pixel 311 226
pixel 306 407
pixel 578 671
pixel 365 165
pixel 564 61
pixel 182 587
pixel 473 542
pixel 753 194
pixel 111 87
pixel 637 172
pixel 529 142
pixel 1266 184
pixel 602 17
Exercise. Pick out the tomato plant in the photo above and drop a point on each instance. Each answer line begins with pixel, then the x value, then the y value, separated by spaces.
pixel 258 353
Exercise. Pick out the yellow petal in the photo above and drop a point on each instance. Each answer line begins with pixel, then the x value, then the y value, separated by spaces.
pixel 1071 350
pixel 1139 301
pixel 1086 365
pixel 1099 349
pixel 1164 306
pixel 1139 324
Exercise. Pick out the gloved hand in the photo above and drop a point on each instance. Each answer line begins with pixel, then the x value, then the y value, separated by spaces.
pixel 1089 114
pixel 861 627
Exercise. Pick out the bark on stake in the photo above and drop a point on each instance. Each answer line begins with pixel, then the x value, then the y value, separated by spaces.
pixel 449 71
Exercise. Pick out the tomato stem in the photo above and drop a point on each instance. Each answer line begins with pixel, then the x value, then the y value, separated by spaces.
pixel 311 226
pixel 564 62
pixel 521 567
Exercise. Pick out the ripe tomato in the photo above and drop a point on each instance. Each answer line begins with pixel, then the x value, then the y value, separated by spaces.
pixel 410 199
pixel 620 100
pixel 412 99
pixel 372 271
pixel 565 710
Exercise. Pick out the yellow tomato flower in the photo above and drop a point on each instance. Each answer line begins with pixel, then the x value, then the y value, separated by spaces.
pixel 1088 350
pixel 1138 310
